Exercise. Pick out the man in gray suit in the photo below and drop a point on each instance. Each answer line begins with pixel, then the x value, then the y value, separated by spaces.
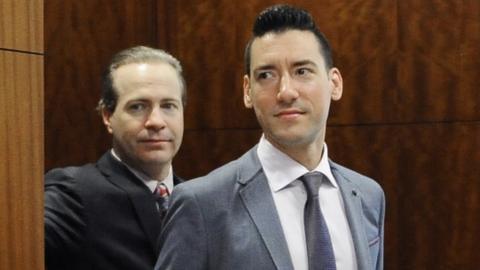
pixel 249 214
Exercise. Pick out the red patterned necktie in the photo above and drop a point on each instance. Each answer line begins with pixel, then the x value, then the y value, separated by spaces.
pixel 161 196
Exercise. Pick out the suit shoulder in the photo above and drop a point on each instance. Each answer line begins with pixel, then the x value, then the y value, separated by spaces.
pixel 363 182
pixel 218 179
pixel 68 172
pixel 71 176
pixel 62 179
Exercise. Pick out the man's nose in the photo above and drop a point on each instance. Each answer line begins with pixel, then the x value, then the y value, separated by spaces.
pixel 287 92
pixel 155 119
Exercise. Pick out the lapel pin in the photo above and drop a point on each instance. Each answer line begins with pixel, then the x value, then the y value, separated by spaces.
pixel 354 193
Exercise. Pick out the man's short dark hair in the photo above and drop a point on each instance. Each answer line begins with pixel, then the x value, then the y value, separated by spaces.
pixel 137 55
pixel 280 18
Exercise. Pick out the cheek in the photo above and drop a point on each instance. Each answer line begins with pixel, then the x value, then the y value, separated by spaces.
pixel 127 138
pixel 126 128
pixel 319 94
pixel 264 100
pixel 176 123
pixel 261 107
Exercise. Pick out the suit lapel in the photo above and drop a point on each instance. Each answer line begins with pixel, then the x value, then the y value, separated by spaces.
pixel 258 201
pixel 353 209
pixel 138 192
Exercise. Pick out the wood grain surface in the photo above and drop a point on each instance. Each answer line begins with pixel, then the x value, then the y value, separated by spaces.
pixel 21 161
pixel 21 134
pixel 21 25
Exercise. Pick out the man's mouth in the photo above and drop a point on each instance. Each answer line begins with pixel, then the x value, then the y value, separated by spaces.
pixel 289 113
pixel 154 142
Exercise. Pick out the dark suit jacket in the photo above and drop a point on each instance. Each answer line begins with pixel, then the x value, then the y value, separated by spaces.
pixel 99 216
pixel 227 220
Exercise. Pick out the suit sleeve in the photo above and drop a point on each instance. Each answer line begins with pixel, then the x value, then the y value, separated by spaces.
pixel 63 217
pixel 382 234
pixel 183 241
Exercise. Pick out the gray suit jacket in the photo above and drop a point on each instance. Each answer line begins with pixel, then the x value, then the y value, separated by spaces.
pixel 228 220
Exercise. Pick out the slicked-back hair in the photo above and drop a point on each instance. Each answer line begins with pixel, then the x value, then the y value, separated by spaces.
pixel 281 18
pixel 136 55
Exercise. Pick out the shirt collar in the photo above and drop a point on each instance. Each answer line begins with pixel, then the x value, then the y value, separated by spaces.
pixel 281 170
pixel 150 183
pixel 324 167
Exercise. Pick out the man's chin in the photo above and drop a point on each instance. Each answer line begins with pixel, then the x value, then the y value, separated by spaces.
pixel 155 157
pixel 290 140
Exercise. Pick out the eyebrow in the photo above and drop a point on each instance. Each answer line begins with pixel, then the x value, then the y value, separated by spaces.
pixel 264 67
pixel 304 63
pixel 171 100
pixel 137 100
pixel 295 64
pixel 146 100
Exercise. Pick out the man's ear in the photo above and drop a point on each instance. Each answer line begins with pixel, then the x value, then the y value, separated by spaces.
pixel 106 115
pixel 247 99
pixel 336 83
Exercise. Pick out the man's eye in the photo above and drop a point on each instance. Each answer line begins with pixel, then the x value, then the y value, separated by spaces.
pixel 137 107
pixel 169 106
pixel 264 75
pixel 303 71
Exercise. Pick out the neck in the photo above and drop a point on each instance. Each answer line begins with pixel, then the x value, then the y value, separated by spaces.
pixel 152 170
pixel 309 155
pixel 157 172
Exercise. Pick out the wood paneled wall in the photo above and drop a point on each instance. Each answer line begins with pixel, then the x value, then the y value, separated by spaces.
pixel 80 39
pixel 409 116
pixel 21 134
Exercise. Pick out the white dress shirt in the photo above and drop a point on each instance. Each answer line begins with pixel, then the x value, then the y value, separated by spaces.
pixel 150 183
pixel 290 196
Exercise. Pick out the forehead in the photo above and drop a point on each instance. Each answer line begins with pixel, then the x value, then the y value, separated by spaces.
pixel 290 45
pixel 153 78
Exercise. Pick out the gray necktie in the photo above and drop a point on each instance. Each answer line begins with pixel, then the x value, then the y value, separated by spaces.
pixel 319 245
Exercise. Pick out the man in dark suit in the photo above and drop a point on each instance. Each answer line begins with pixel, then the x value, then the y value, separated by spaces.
pixel 283 204
pixel 108 215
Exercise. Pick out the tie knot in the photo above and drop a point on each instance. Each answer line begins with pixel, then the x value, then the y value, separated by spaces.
pixel 161 196
pixel 161 190
pixel 312 182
